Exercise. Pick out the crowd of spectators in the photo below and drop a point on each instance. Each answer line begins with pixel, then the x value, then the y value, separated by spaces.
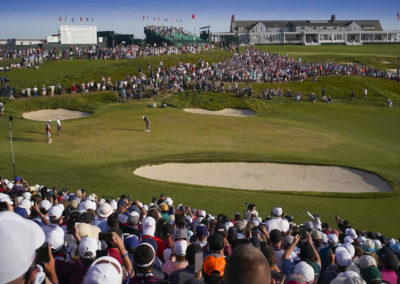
pixel 251 66
pixel 76 237
pixel 169 31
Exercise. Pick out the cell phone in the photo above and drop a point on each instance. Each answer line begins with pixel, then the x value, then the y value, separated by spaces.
pixel 302 233
pixel 71 227
pixel 198 261
pixel 105 237
pixel 43 253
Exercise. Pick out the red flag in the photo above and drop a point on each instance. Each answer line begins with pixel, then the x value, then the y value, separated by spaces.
pixel 398 16
pixel 158 18
pixel 193 16
pixel 60 19
pixel 143 18
pixel 81 19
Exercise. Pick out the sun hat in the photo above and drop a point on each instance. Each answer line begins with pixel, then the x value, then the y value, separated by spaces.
pixel 180 247
pixel 23 237
pixel 6 198
pixel 26 204
pixel 27 195
pixel 348 240
pixel 350 249
pixel 302 268
pixel 169 201
pixel 88 247
pixel 351 233
pixel 368 246
pixel 149 226
pixel 104 270
pixel 87 230
pixel 316 235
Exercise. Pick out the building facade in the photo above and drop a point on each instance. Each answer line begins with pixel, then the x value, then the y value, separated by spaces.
pixel 350 32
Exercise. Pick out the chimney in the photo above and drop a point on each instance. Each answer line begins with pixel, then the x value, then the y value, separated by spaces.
pixel 233 18
pixel 333 18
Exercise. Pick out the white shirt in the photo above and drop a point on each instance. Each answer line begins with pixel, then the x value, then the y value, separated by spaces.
pixel 58 122
pixel 277 223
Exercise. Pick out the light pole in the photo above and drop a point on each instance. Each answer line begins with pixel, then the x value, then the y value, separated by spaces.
pixel 11 141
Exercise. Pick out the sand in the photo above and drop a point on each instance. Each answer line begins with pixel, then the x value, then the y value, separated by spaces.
pixel 52 114
pixel 226 112
pixel 267 176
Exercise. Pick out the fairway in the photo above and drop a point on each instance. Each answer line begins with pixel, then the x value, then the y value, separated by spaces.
pixel 100 152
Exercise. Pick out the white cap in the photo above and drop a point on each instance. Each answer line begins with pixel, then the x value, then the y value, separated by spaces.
pixel 122 218
pixel 26 195
pixel 202 213
pixel 134 213
pixel 104 210
pixel 180 247
pixel 101 202
pixel 114 204
pixel 86 205
pixel 23 237
pixel 333 238
pixel 302 268
pixel 104 270
pixel 88 247
pixel 149 226
pixel 350 249
pixel 348 240
pixel 5 198
pixel 56 211
pixel 378 244
pixel 361 239
pixel 91 197
pixel 55 237
pixel 278 211
pixel 366 261
pixel 10 185
pixel 351 233
pixel 26 204
pixel 45 204
pixel 169 201
pixel 343 257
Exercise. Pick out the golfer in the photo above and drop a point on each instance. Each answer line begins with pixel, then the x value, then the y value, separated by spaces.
pixel 59 128
pixel 48 131
pixel 147 121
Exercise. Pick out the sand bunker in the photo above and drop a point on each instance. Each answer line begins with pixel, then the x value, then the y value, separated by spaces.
pixel 267 176
pixel 226 111
pixel 52 114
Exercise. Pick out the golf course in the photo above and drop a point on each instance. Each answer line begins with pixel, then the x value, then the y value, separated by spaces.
pixel 101 151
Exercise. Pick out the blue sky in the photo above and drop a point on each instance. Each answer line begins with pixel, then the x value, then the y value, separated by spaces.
pixel 37 19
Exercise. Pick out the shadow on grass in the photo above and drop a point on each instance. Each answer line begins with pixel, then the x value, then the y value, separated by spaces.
pixel 22 139
pixel 35 132
pixel 128 129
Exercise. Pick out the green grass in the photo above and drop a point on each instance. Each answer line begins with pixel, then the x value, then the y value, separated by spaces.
pixel 100 152
pixel 379 56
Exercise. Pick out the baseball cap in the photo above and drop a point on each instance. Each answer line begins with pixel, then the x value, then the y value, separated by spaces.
pixel 149 226
pixel 351 233
pixel 201 231
pixel 23 237
pixel 45 204
pixel 26 204
pixel 131 242
pixel 275 236
pixel 343 257
pixel 277 211
pixel 302 268
pixel 164 207
pixel 17 178
pixel 169 201
pixel 212 263
pixel 104 270
pixel 55 238
pixel 27 195
pixel 333 238
pixel 180 247
pixel 366 261
pixel 104 210
pixel 88 247
pixel 56 211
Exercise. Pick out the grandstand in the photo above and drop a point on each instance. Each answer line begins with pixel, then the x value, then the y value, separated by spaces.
pixel 171 36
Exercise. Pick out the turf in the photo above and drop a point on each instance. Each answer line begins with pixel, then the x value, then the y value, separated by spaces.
pixel 100 152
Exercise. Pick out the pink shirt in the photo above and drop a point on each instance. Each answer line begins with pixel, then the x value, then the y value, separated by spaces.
pixel 389 276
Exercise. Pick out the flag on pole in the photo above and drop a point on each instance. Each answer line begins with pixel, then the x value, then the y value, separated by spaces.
pixel 60 19
pixel 398 16
pixel 81 19
pixel 193 16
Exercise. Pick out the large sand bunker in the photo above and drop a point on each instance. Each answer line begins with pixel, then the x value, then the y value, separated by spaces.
pixel 226 111
pixel 52 114
pixel 267 176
